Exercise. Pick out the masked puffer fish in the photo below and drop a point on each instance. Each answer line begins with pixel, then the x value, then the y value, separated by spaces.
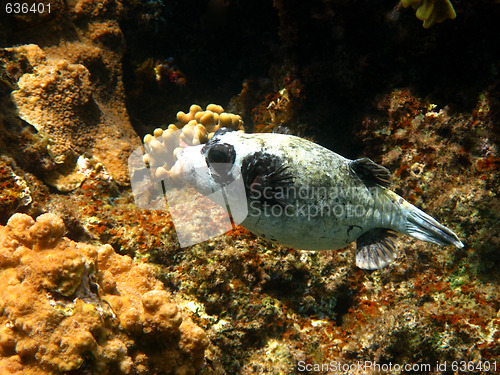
pixel 304 196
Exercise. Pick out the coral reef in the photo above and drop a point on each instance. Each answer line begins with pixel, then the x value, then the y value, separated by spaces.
pixel 274 112
pixel 434 153
pixel 293 306
pixel 69 306
pixel 154 29
pixel 341 82
pixel 265 308
pixel 54 100
pixel 15 192
pixel 69 88
pixel 316 68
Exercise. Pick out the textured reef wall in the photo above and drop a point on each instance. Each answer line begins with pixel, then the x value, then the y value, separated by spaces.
pixel 68 86
pixel 81 85
pixel 70 306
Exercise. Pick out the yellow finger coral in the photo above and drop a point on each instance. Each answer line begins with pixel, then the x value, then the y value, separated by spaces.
pixel 68 306
pixel 193 128
pixel 431 11
pixel 213 118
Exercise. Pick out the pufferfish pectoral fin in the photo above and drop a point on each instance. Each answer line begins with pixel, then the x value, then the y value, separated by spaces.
pixel 371 173
pixel 375 249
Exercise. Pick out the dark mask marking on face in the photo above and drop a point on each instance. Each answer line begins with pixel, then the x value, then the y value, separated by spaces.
pixel 266 179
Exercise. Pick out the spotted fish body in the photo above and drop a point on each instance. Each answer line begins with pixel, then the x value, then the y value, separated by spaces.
pixel 302 195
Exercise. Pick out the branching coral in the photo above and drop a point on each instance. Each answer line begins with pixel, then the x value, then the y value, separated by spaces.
pixel 213 118
pixel 193 128
pixel 431 11
pixel 67 306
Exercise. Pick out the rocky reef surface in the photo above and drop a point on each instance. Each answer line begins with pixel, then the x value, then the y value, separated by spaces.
pixel 69 306
pixel 94 285
pixel 66 73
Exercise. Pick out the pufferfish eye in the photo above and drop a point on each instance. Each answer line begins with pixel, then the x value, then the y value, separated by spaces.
pixel 220 153
pixel 220 158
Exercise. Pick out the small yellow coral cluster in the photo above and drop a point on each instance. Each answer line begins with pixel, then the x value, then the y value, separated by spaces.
pixel 213 118
pixel 431 11
pixel 68 306
pixel 193 128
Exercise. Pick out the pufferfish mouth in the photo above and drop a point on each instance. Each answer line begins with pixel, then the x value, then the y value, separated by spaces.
pixel 189 159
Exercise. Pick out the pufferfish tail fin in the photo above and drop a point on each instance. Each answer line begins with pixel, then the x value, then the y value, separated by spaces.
pixel 423 227
pixel 375 249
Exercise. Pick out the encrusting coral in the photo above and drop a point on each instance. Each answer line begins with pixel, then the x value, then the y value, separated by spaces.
pixel 57 99
pixel 69 306
pixel 53 99
pixel 53 86
pixel 431 11
pixel 67 82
